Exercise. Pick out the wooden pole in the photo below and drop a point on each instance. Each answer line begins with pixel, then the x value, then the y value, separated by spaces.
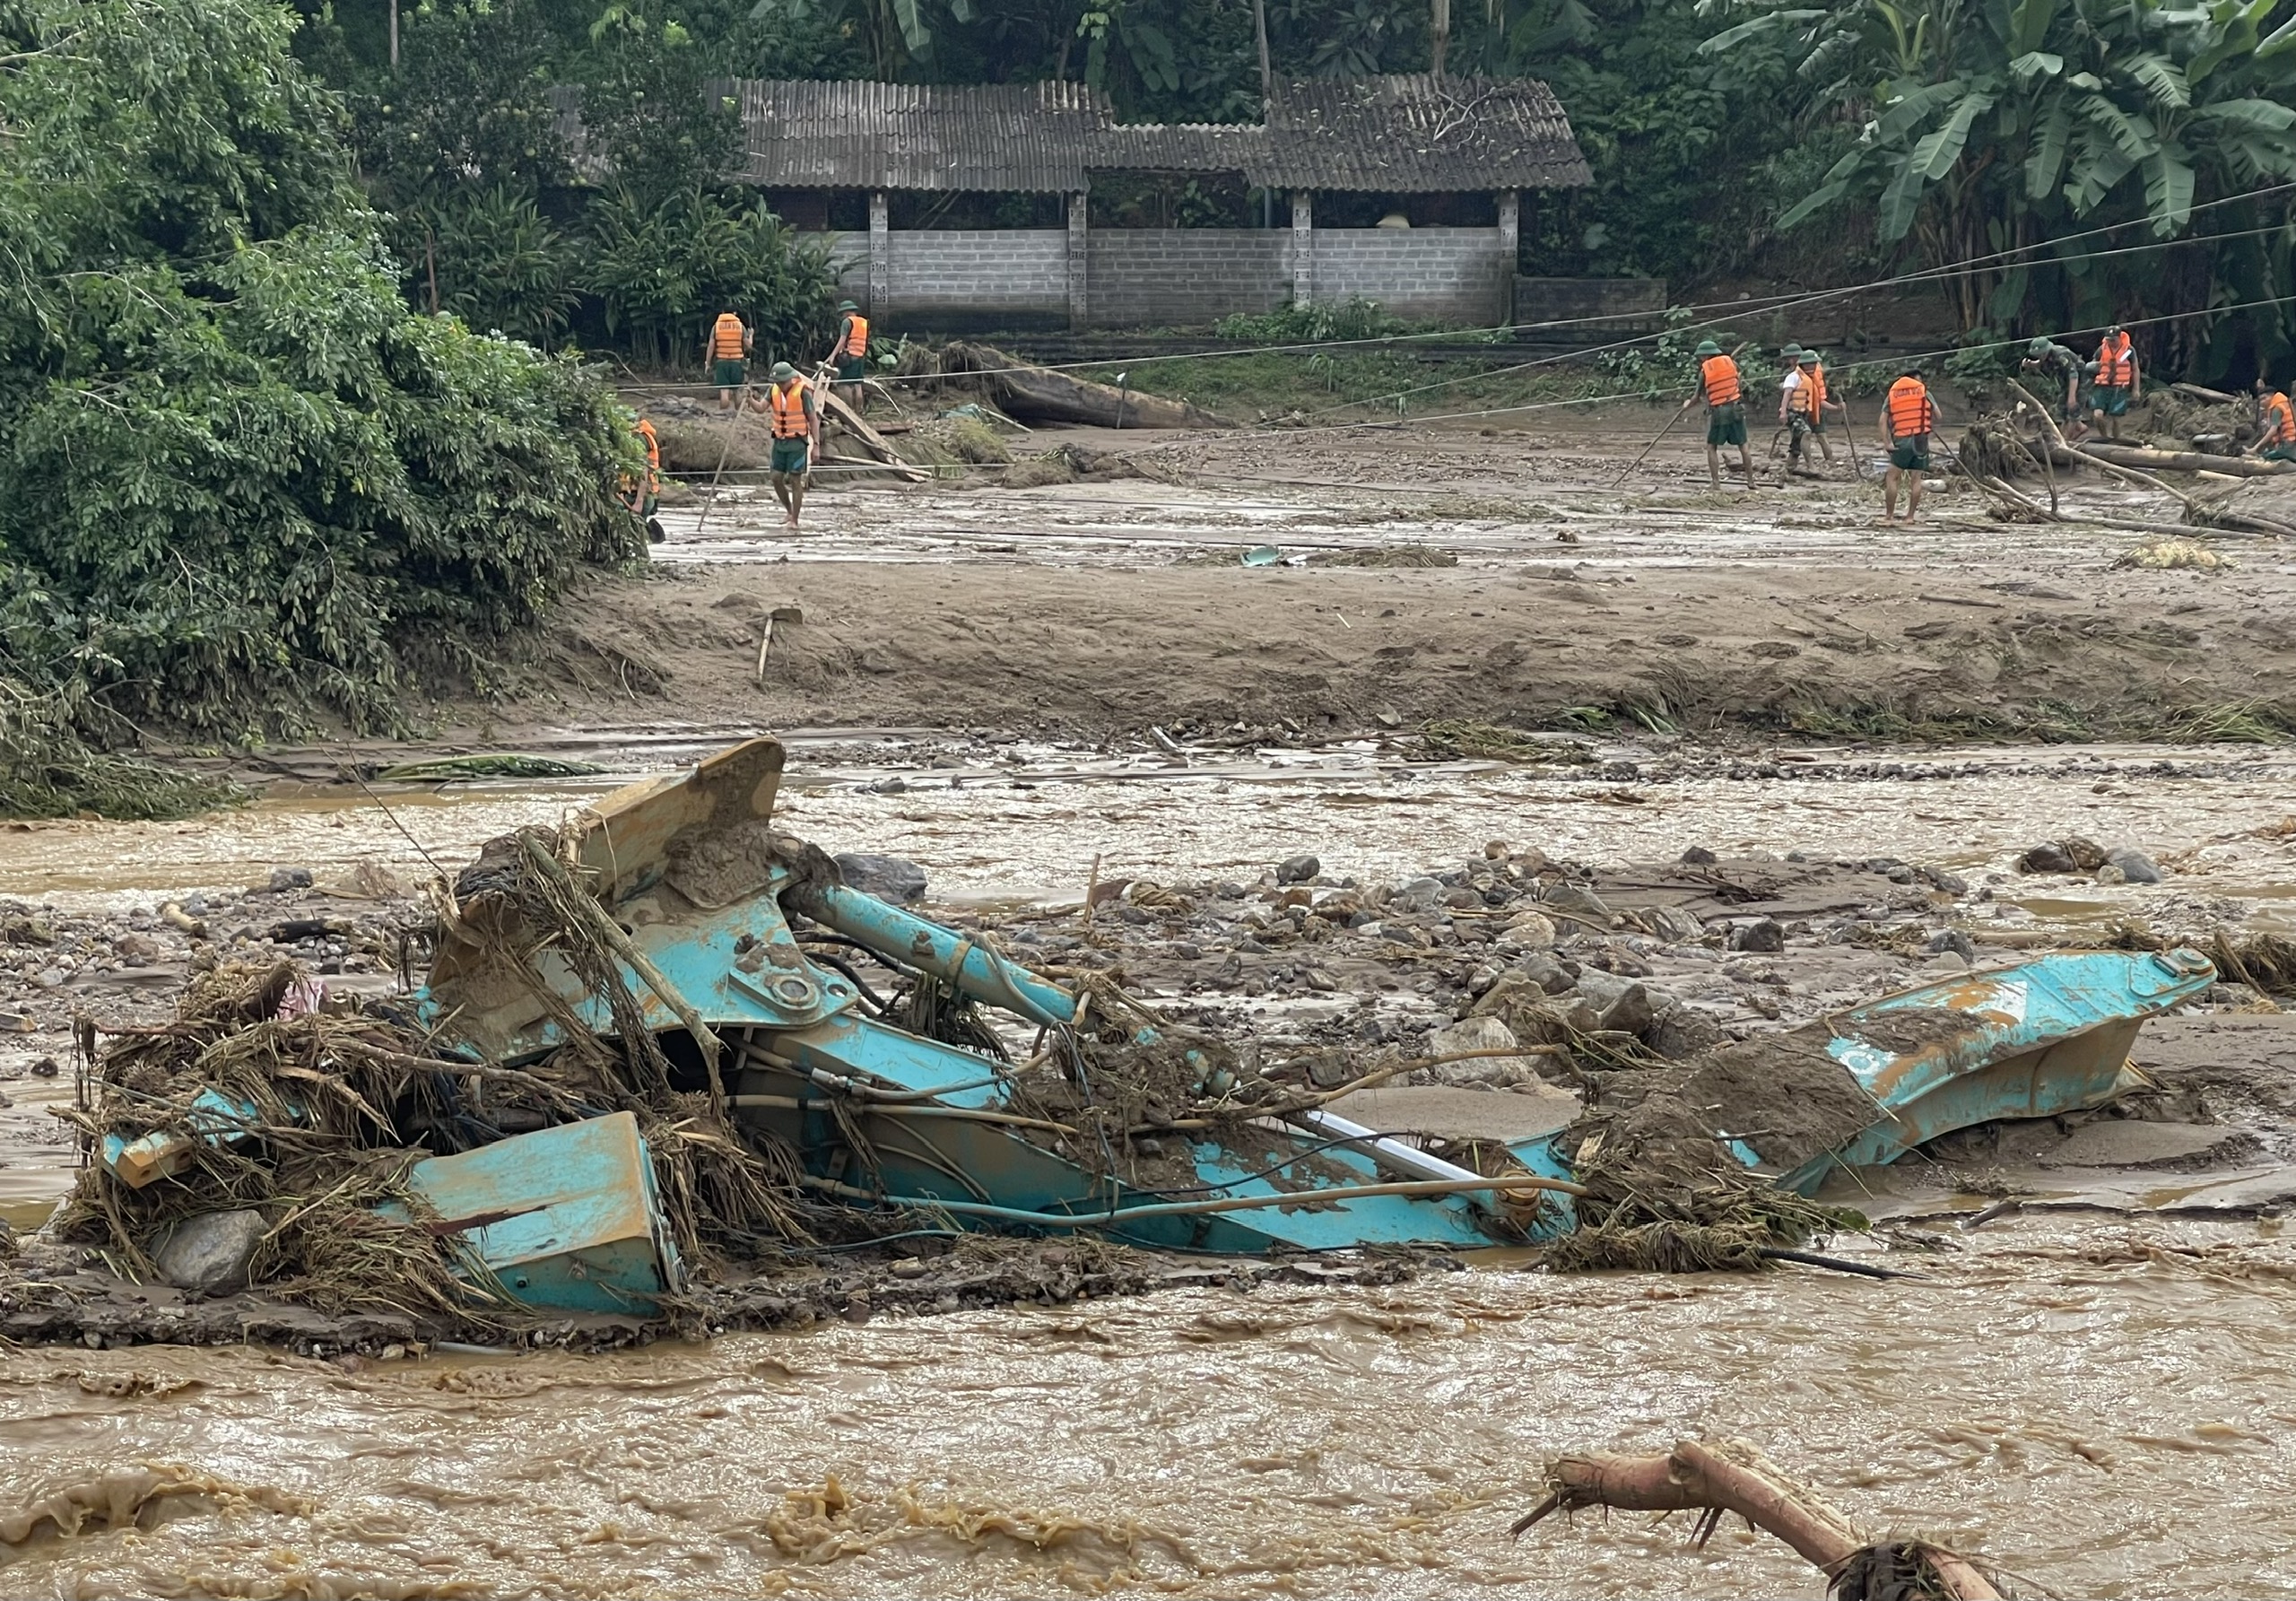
pixel 1653 444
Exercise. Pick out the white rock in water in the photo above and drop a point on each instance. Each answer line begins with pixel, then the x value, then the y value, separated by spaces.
pixel 1470 1033
pixel 210 1254
pixel 1532 931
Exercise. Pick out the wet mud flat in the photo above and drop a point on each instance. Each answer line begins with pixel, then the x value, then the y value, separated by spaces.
pixel 1115 607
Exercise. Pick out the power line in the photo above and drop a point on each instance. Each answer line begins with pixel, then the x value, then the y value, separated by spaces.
pixel 1758 304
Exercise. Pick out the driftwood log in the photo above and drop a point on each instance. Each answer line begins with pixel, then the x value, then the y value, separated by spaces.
pixel 2182 461
pixel 1031 394
pixel 1732 1476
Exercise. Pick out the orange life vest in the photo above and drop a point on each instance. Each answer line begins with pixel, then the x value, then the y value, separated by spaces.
pixel 726 338
pixel 1910 413
pixel 1808 396
pixel 2279 420
pixel 856 339
pixel 2115 363
pixel 1719 374
pixel 653 453
pixel 789 419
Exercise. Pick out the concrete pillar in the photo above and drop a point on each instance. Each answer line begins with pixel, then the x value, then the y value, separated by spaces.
pixel 1303 247
pixel 1079 247
pixel 1510 240
pixel 880 255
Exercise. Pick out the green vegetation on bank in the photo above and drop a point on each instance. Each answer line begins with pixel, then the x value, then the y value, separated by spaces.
pixel 244 486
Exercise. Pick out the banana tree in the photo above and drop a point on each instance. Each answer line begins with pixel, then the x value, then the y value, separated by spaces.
pixel 1987 126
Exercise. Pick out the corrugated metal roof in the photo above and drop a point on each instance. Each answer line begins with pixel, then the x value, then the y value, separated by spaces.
pixel 868 135
pixel 1412 133
pixel 1415 133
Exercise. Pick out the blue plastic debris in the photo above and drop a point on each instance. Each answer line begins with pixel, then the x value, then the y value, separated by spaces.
pixel 566 1218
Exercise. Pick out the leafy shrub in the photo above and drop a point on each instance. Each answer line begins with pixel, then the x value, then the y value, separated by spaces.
pixel 1354 317
pixel 241 483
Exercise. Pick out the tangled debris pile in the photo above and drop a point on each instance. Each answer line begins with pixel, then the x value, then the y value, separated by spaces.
pixel 664 1040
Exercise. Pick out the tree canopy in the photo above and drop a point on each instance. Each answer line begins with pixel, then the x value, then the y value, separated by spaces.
pixel 244 482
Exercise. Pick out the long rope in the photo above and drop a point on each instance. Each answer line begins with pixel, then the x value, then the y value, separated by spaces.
pixel 1767 303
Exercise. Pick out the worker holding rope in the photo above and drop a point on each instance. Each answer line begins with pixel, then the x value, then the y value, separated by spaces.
pixel 1908 417
pixel 1801 407
pixel 2120 384
pixel 851 355
pixel 796 411
pixel 728 346
pixel 2277 418
pixel 1726 413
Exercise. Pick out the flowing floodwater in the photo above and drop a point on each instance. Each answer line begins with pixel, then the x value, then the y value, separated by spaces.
pixel 2103 1415
pixel 2100 1404
pixel 1031 826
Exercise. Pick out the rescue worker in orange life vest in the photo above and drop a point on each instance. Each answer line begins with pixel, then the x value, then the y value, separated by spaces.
pixel 1908 417
pixel 795 411
pixel 851 355
pixel 644 493
pixel 1726 413
pixel 2120 384
pixel 2276 419
pixel 1802 405
pixel 728 347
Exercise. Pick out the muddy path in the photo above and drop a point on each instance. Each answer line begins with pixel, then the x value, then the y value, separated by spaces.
pixel 1112 606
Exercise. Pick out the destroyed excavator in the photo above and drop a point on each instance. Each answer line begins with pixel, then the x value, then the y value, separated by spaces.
pixel 998 1099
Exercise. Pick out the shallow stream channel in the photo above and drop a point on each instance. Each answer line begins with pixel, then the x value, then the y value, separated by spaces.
pixel 2092 1398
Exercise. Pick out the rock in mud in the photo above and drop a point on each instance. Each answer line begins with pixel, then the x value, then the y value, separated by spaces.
pixel 1955 941
pixel 891 878
pixel 1475 1033
pixel 1528 932
pixel 2136 867
pixel 2087 855
pixel 1418 894
pixel 210 1254
pixel 1698 855
pixel 2048 856
pixel 1298 869
pixel 284 879
pixel 1672 924
pixel 1762 935
pixel 1577 898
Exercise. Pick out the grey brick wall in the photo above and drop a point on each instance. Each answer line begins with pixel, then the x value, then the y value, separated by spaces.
pixel 1451 274
pixel 1149 277
pixel 1020 273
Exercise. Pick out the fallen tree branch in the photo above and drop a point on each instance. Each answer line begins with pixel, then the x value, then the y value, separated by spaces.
pixel 1732 1476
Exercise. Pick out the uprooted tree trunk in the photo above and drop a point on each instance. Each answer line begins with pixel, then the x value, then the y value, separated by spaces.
pixel 1033 394
pixel 1733 1476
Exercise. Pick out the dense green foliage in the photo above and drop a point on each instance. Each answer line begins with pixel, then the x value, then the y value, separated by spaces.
pixel 633 243
pixel 243 481
pixel 1991 125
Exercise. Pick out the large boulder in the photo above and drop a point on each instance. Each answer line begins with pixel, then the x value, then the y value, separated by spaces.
pixel 210 1254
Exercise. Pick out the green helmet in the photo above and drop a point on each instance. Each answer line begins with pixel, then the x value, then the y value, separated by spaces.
pixel 783 372
pixel 2039 347
pixel 1790 351
pixel 1808 357
pixel 1707 347
pixel 847 306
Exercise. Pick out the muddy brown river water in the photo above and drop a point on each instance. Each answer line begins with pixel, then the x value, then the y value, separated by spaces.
pixel 2105 1421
